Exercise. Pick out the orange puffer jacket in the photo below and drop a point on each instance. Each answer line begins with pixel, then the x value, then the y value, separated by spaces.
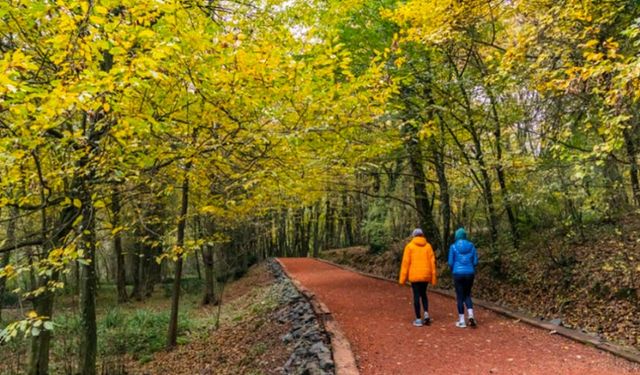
pixel 418 262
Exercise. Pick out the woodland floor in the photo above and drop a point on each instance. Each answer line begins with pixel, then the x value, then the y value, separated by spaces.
pixel 591 283
pixel 376 317
pixel 247 342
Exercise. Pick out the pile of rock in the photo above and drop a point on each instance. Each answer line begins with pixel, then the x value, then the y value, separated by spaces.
pixel 311 354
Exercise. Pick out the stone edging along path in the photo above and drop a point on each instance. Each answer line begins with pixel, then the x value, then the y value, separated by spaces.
pixel 307 335
pixel 344 360
pixel 629 354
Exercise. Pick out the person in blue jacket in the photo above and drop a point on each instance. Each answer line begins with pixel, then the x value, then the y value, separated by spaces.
pixel 463 259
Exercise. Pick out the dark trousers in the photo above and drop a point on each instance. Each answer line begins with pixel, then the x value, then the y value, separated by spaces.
pixel 420 293
pixel 463 285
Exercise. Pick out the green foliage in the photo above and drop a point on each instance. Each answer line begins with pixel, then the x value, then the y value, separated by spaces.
pixel 375 227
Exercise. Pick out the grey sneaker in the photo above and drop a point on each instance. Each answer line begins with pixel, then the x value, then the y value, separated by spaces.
pixel 427 320
pixel 417 323
pixel 460 324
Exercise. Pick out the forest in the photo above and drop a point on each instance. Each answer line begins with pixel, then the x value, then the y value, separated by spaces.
pixel 154 146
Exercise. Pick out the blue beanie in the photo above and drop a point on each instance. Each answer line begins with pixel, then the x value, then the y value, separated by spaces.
pixel 417 232
pixel 461 234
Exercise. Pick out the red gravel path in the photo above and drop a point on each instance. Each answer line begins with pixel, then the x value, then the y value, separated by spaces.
pixel 376 317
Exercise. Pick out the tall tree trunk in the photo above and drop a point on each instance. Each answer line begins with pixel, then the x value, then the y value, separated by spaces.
pixel 630 147
pixel 316 230
pixel 89 336
pixel 210 296
pixel 346 216
pixel 136 292
pixel 307 231
pixel 617 197
pixel 43 303
pixel 297 232
pixel 40 345
pixel 6 257
pixel 282 233
pixel 497 132
pixel 175 297
pixel 121 276
pixel 486 185
pixel 445 199
pixel 329 225
pixel 421 197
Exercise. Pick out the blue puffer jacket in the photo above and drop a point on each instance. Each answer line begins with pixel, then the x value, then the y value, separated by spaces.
pixel 463 256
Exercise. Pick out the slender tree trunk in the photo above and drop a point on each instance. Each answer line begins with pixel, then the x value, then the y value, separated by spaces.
pixel 89 337
pixel 329 220
pixel 121 276
pixel 346 220
pixel 43 303
pixel 497 132
pixel 136 292
pixel 486 186
pixel 282 233
pixel 210 297
pixel 630 147
pixel 316 230
pixel 421 196
pixel 40 345
pixel 175 298
pixel 617 197
pixel 445 200
pixel 307 230
pixel 6 257
pixel 297 233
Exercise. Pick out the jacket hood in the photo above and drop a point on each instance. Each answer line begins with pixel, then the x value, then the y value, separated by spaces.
pixel 419 241
pixel 461 234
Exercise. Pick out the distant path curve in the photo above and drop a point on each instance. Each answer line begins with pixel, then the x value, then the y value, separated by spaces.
pixel 376 318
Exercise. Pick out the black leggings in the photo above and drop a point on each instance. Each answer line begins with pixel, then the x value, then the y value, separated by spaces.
pixel 420 293
pixel 463 284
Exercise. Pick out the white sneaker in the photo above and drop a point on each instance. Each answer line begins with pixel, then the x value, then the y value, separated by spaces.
pixel 427 320
pixel 417 323
pixel 460 324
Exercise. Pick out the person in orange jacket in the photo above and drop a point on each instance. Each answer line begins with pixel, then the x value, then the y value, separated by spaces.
pixel 419 267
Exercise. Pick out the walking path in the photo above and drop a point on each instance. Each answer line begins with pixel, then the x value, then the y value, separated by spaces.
pixel 376 318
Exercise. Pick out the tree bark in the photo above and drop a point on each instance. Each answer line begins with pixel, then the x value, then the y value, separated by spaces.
pixel 316 230
pixel 617 197
pixel 89 336
pixel 282 233
pixel 497 132
pixel 136 292
pixel 210 296
pixel 630 147
pixel 346 220
pixel 121 276
pixel 40 345
pixel 486 185
pixel 175 297
pixel 329 226
pixel 445 199
pixel 6 257
pixel 421 197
